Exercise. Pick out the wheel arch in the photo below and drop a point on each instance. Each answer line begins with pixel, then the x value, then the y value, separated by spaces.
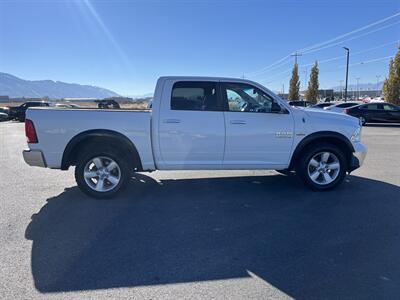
pixel 332 137
pixel 80 140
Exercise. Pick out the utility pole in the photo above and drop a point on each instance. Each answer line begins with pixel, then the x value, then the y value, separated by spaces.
pixel 295 57
pixel 358 89
pixel 283 89
pixel 377 84
pixel 347 72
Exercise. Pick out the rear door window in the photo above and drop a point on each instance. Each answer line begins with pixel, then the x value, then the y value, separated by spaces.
pixel 195 95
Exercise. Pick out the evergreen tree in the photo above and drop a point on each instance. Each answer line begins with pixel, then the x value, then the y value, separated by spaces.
pixel 313 84
pixel 294 86
pixel 391 85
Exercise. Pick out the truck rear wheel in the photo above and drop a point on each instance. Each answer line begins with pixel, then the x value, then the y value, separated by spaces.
pixel 322 167
pixel 101 172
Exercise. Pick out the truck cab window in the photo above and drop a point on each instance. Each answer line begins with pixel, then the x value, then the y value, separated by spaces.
pixel 194 96
pixel 246 98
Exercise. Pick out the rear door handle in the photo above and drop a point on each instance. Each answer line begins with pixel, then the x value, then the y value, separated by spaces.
pixel 240 122
pixel 172 121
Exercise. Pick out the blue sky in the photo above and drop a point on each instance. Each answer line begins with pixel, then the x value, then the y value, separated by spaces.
pixel 127 45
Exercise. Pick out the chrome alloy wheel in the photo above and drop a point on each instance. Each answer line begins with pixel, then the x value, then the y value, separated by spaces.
pixel 323 168
pixel 102 174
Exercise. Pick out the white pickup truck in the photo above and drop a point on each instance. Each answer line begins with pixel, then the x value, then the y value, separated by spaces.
pixel 195 123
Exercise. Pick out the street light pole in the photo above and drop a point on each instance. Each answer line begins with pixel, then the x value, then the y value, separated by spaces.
pixel 347 72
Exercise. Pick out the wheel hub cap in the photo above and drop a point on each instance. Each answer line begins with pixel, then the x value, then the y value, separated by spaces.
pixel 323 168
pixel 102 174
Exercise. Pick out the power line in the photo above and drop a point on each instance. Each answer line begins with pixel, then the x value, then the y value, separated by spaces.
pixel 333 58
pixel 325 43
pixel 350 39
pixel 267 67
pixel 327 71
pixel 370 61
pixel 350 33
pixel 277 66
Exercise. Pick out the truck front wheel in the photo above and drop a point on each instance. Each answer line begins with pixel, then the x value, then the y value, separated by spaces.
pixel 322 167
pixel 101 173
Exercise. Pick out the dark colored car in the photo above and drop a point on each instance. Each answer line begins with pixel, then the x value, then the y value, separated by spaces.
pixel 300 103
pixel 328 99
pixel 107 104
pixel 18 112
pixel 322 105
pixel 375 112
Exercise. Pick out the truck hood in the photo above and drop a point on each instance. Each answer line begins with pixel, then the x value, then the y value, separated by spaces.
pixel 316 120
pixel 316 113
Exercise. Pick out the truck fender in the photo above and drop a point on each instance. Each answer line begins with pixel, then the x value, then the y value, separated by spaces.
pixel 322 136
pixel 78 141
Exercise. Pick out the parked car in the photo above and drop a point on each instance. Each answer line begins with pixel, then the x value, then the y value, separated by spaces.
pixel 328 99
pixel 3 117
pixel 196 123
pixel 339 107
pixel 375 112
pixel 322 105
pixel 377 100
pixel 300 103
pixel 18 112
pixel 107 104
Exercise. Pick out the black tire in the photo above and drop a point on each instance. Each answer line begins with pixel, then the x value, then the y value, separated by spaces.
pixel 363 120
pixel 302 168
pixel 106 152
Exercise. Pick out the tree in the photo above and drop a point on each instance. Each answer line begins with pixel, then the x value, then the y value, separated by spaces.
pixel 313 84
pixel 294 86
pixel 391 85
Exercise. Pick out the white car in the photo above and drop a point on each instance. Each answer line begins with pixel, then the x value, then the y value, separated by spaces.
pixel 196 123
pixel 340 107
pixel 377 100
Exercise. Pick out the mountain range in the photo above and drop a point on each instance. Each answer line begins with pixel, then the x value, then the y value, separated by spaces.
pixel 15 87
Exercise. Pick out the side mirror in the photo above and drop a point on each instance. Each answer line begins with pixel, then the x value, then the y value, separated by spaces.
pixel 275 108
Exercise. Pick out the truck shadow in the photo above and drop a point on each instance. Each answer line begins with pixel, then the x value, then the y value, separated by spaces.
pixel 339 244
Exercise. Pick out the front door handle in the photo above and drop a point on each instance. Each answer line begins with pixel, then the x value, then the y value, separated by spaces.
pixel 172 121
pixel 240 122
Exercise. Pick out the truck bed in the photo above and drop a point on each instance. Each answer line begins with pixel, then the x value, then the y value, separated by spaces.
pixel 57 126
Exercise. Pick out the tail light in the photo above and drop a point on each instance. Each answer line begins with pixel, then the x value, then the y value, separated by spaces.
pixel 30 132
pixel 346 110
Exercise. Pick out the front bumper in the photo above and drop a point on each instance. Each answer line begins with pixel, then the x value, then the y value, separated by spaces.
pixel 358 156
pixel 34 158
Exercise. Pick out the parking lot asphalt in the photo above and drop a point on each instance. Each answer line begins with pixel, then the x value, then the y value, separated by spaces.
pixel 201 235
